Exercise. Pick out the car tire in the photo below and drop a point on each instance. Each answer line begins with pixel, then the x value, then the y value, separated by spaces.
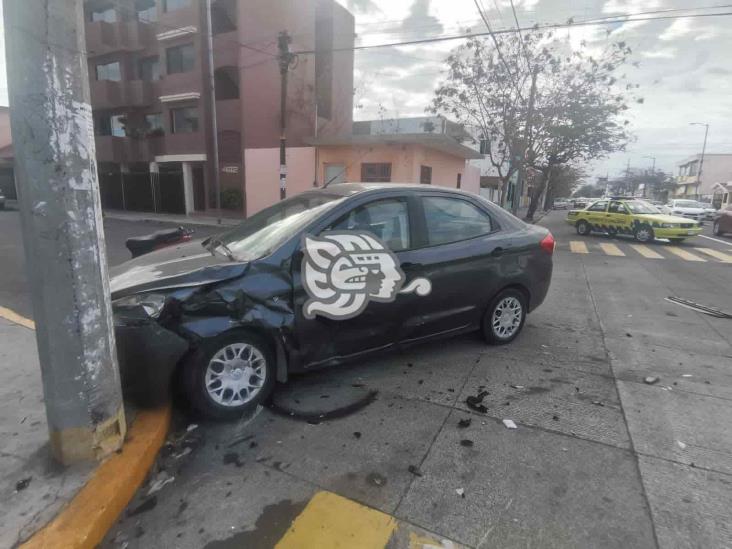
pixel 508 302
pixel 583 228
pixel 643 233
pixel 612 232
pixel 240 359
pixel 715 228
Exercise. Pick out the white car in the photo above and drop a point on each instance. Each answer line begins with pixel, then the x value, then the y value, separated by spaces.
pixel 709 211
pixel 690 209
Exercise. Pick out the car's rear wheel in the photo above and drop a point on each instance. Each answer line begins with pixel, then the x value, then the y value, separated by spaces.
pixel 229 375
pixel 643 233
pixel 715 228
pixel 505 316
pixel 583 228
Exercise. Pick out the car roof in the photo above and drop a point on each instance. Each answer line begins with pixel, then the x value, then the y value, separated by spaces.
pixel 349 189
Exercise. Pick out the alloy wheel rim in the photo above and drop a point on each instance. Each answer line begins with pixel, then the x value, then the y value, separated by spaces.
pixel 644 235
pixel 235 374
pixel 506 317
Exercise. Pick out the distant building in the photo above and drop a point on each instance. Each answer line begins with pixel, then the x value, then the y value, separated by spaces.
pixel 429 150
pixel 150 95
pixel 717 168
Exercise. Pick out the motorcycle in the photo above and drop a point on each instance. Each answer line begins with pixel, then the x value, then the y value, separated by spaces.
pixel 140 245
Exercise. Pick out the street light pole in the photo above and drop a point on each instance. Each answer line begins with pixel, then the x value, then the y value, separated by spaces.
pixel 701 161
pixel 61 217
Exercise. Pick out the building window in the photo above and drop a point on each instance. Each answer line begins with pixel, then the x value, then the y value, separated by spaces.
pixel 106 14
pixel 154 123
pixel 180 58
pixel 459 180
pixel 223 16
pixel 117 125
pixel 148 68
pixel 324 59
pixel 147 11
pixel 172 5
pixel 109 71
pixel 184 120
pixel 425 175
pixel 227 83
pixel 102 125
pixel 376 172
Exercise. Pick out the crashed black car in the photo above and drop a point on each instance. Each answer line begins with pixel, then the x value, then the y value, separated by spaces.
pixel 318 279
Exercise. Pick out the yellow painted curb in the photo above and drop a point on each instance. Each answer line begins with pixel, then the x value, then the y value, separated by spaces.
pixel 15 318
pixel 86 519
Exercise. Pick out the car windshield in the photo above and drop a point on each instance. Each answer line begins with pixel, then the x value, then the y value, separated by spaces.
pixel 262 233
pixel 686 204
pixel 641 208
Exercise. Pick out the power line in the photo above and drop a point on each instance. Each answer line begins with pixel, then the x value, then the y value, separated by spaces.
pixel 514 30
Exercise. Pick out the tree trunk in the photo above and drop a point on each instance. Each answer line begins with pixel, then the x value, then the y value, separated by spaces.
pixel 536 194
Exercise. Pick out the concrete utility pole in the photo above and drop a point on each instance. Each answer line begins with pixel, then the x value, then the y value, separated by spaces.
pixel 214 122
pixel 527 138
pixel 701 160
pixel 285 59
pixel 61 217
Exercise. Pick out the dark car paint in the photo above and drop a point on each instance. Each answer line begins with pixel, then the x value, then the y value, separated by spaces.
pixel 724 222
pixel 266 295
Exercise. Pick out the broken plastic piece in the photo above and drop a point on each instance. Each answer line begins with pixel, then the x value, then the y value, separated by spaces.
pixel 466 442
pixel 161 480
pixel 509 424
pixel 681 445
pixel 650 380
pixel 460 492
pixel 464 423
pixel 414 470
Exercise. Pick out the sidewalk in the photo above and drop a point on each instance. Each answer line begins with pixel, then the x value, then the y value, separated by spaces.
pixel 33 488
pixel 538 214
pixel 193 219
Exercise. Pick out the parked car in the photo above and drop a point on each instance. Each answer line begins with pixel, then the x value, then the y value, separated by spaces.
pixel 723 222
pixel 710 212
pixel 561 204
pixel 580 203
pixel 687 208
pixel 324 277
pixel 643 221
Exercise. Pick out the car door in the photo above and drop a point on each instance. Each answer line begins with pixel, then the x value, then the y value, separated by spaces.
pixel 595 215
pixel 618 217
pixel 462 251
pixel 374 327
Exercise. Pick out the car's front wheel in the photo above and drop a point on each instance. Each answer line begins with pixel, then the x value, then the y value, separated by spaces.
pixel 643 233
pixel 715 228
pixel 583 228
pixel 229 375
pixel 505 317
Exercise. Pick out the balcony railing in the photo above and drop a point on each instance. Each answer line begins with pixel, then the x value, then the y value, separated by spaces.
pixel 107 94
pixel 103 37
pixel 126 149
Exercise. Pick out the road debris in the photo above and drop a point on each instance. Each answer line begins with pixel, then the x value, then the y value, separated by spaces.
pixel 598 403
pixel 650 380
pixel 464 423
pixel 474 402
pixel 147 505
pixel 555 417
pixel 509 424
pixel 415 470
pixel 467 443
pixel 517 386
pixel 22 484
pixel 681 445
pixel 357 434
pixel 232 458
pixel 161 479
pixel 685 375
pixel 376 479
pixel 460 492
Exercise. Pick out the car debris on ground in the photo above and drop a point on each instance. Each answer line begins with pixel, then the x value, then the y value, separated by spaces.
pixel 651 380
pixel 475 402
pixel 509 424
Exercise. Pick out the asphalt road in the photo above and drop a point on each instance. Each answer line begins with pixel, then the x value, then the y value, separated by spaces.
pixel 599 458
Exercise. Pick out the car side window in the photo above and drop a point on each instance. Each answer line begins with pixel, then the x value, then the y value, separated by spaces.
pixel 453 219
pixel 598 206
pixel 388 219
pixel 617 207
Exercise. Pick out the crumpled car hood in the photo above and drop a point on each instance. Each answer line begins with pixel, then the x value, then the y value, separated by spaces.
pixel 188 264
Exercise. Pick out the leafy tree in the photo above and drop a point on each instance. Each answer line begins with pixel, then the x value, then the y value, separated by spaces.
pixel 566 178
pixel 578 106
pixel 589 191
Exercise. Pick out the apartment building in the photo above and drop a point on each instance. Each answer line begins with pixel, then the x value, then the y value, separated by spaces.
pixel 152 101
pixel 717 168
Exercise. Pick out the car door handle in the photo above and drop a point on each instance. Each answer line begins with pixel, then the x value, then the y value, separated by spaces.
pixel 497 252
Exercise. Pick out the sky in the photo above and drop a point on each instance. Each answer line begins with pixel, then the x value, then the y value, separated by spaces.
pixel 685 65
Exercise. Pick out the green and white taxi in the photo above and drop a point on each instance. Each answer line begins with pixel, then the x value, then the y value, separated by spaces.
pixel 635 218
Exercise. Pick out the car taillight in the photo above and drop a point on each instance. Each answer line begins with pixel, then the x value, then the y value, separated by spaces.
pixel 547 244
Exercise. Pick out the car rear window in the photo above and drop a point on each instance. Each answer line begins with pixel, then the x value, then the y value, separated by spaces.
pixel 453 219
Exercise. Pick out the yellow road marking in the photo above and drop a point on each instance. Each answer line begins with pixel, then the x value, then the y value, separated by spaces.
pixel 15 318
pixel 683 254
pixel 725 258
pixel 611 249
pixel 578 247
pixel 645 251
pixel 330 521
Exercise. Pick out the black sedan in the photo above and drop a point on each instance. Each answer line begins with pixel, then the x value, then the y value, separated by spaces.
pixel 318 279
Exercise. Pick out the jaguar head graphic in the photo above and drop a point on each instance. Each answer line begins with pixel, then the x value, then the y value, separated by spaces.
pixel 343 271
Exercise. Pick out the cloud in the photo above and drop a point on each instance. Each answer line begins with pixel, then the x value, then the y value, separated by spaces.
pixel 677 29
pixel 719 71
pixel 362 6
pixel 629 6
pixel 661 53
